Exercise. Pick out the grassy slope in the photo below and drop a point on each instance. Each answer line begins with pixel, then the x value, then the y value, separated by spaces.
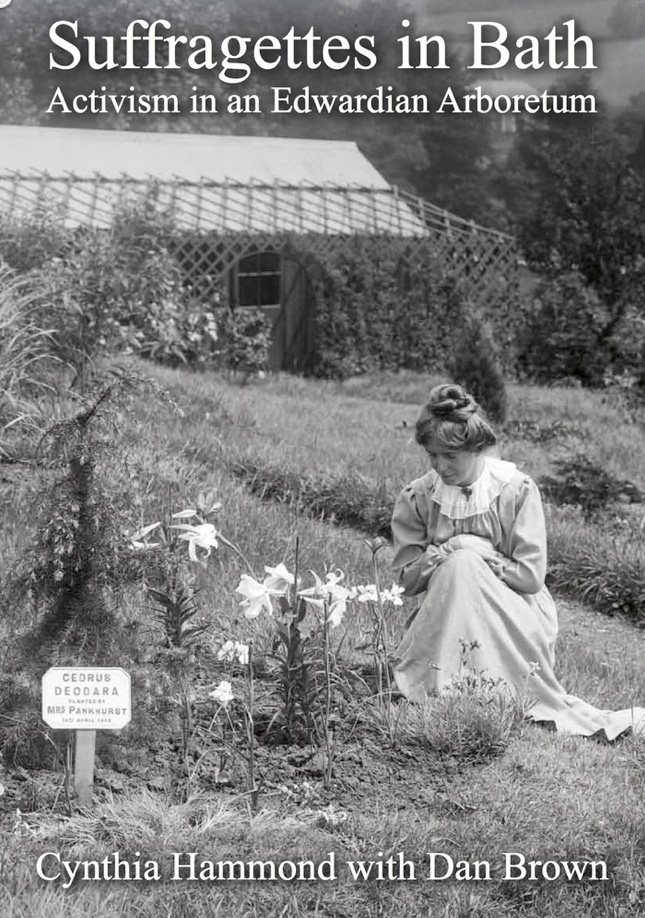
pixel 548 797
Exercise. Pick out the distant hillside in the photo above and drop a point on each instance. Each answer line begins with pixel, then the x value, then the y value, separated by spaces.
pixel 522 16
pixel 621 63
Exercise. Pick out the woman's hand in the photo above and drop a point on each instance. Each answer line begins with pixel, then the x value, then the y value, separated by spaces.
pixel 481 546
pixel 497 566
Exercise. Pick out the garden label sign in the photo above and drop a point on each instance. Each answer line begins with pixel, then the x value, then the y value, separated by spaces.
pixel 86 699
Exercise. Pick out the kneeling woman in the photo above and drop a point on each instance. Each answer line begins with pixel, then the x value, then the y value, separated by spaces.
pixel 470 536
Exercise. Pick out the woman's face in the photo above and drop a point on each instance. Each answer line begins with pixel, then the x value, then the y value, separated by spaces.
pixel 455 466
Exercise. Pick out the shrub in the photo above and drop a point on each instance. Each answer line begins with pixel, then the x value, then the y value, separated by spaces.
pixel 355 298
pixel 474 366
pixel 29 243
pixel 111 287
pixel 117 289
pixel 246 339
pixel 584 483
pixel 563 338
pixel 380 306
pixel 174 333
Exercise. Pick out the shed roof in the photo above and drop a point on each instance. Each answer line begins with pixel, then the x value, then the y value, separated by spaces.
pixel 212 183
pixel 207 182
pixel 191 157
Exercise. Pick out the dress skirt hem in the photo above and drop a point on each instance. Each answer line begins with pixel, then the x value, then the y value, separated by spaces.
pixel 471 624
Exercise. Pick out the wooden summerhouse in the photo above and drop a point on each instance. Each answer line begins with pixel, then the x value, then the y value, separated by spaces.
pixel 245 210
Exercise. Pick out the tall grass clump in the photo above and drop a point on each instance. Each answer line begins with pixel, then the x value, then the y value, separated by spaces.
pixel 348 500
pixel 24 365
pixel 473 720
pixel 604 570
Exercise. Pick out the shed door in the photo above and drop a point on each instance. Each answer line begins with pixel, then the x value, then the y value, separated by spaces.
pixel 293 327
pixel 279 286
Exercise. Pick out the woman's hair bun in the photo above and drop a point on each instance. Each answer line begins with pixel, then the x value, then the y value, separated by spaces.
pixel 453 418
pixel 450 400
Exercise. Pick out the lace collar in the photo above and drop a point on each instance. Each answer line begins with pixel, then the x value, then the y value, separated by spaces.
pixel 458 503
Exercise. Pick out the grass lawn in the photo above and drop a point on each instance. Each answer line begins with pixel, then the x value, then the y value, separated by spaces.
pixel 395 795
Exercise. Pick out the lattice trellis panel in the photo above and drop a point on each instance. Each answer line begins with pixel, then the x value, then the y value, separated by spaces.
pixel 214 224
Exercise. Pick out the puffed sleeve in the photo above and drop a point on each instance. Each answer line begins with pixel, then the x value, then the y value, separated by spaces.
pixel 414 559
pixel 522 518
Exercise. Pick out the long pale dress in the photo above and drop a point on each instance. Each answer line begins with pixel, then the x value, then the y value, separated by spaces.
pixel 500 626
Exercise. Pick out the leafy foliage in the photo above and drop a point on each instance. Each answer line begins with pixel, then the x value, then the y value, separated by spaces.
pixel 176 614
pixel 297 656
pixel 579 205
pixel 475 367
pixel 120 289
pixel 594 210
pixel 380 306
pixel 78 561
pixel 563 336
pixel 114 288
pixel 30 242
pixel 581 481
pixel 246 341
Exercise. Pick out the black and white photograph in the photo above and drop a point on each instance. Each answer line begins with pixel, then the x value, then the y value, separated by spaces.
pixel 322 459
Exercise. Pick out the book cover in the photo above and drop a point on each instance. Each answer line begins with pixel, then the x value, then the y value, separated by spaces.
pixel 239 245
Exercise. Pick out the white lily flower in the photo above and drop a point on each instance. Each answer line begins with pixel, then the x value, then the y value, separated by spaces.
pixel 184 514
pixel 207 504
pixel 204 535
pixel 234 650
pixel 243 653
pixel 338 596
pixel 330 592
pixel 367 593
pixel 316 594
pixel 336 613
pixel 393 595
pixel 137 539
pixel 256 596
pixel 334 577
pixel 223 693
pixel 279 579
pixel 226 651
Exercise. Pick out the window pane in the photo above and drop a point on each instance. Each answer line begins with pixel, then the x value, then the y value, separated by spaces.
pixel 248 291
pixel 269 261
pixel 259 279
pixel 269 289
pixel 250 264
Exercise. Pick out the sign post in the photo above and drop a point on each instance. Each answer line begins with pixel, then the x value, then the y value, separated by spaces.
pixel 84 750
pixel 86 699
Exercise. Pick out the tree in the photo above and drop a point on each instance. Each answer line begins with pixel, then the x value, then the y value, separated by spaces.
pixel 591 218
pixel 579 207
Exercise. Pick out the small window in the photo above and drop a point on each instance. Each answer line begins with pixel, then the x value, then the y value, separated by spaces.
pixel 258 279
